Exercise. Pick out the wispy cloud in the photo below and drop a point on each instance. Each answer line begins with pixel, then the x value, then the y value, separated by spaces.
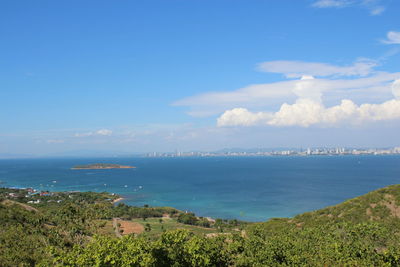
pixel 377 10
pixel 331 3
pixel 101 132
pixel 392 38
pixel 294 69
pixel 375 7
pixel 158 137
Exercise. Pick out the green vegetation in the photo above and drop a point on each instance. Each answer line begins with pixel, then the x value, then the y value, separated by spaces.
pixel 167 224
pixel 129 212
pixel 78 229
pixel 191 219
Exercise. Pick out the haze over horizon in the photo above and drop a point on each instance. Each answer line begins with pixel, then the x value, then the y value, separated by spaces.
pixel 141 76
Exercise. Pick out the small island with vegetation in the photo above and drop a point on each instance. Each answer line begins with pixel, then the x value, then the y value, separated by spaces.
pixel 101 166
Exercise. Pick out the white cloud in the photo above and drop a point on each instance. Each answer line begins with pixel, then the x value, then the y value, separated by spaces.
pixel 55 141
pixel 309 100
pixel 104 132
pixel 305 89
pixel 392 38
pixel 377 10
pixel 242 117
pixel 101 132
pixel 307 111
pixel 374 6
pixel 376 87
pixel 295 69
pixel 254 95
pixel 331 3
pixel 83 134
pixel 396 89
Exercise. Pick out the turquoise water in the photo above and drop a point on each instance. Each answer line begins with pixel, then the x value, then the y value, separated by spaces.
pixel 252 189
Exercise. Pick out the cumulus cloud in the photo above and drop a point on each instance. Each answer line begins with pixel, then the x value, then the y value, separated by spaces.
pixel 376 86
pixel 305 89
pixel 307 111
pixel 243 117
pixel 392 38
pixel 295 69
pixel 101 132
pixel 375 7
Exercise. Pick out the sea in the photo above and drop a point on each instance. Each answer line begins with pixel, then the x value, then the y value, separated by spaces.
pixel 243 188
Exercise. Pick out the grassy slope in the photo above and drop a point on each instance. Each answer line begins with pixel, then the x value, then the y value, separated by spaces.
pixel 382 205
pixel 364 231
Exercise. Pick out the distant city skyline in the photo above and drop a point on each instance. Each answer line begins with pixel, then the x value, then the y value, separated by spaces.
pixel 142 76
pixel 336 151
pixel 226 152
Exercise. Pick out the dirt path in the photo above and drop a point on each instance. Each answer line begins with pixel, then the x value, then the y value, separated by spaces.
pixel 131 227
pixel 8 202
pixel 116 228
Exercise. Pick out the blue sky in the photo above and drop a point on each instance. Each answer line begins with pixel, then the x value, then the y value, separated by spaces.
pixel 151 75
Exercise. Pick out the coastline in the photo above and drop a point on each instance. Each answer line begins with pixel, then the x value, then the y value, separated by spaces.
pixel 162 181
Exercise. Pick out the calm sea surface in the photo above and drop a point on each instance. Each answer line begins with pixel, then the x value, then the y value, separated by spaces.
pixel 252 189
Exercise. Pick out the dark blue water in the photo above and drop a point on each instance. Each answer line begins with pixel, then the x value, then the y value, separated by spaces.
pixel 252 189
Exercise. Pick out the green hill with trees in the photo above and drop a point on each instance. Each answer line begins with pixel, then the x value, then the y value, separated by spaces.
pixel 76 229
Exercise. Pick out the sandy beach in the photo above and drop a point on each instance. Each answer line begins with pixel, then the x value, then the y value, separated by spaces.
pixel 118 199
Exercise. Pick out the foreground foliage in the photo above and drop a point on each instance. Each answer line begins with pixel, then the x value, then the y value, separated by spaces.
pixel 364 231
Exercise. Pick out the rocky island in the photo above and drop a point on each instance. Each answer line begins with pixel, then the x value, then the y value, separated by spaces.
pixel 101 166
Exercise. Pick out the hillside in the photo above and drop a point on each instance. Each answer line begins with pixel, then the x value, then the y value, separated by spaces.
pixel 86 229
pixel 382 205
pixel 361 231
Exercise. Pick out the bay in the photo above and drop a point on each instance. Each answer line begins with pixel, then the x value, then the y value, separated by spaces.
pixel 245 188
